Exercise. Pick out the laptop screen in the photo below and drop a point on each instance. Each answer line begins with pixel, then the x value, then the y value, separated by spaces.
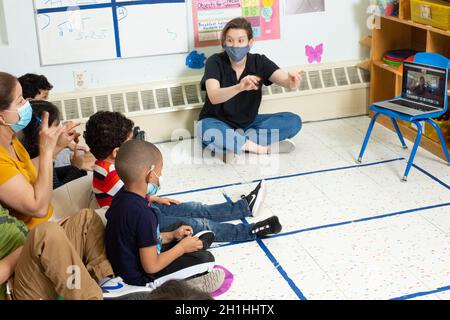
pixel 424 84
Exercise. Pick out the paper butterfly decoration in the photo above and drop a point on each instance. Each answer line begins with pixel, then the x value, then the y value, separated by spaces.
pixel 314 54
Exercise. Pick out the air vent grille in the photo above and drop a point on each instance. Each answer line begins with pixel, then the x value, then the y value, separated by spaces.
pixel 188 95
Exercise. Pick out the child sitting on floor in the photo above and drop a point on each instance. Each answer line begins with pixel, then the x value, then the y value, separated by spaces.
pixel 105 133
pixel 138 252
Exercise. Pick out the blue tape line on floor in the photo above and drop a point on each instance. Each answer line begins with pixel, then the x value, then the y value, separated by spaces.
pixel 280 269
pixel 277 266
pixel 359 220
pixel 420 294
pixel 333 169
pixel 281 177
pixel 431 176
pixel 274 261
pixel 343 223
pixel 406 297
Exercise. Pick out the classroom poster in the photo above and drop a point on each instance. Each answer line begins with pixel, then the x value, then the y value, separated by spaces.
pixel 210 16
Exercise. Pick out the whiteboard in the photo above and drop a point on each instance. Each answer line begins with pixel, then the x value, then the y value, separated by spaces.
pixel 72 31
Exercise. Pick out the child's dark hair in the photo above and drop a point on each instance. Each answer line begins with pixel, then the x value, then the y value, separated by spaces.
pixel 136 157
pixel 237 23
pixel 30 138
pixel 105 131
pixel 178 290
pixel 171 290
pixel 32 84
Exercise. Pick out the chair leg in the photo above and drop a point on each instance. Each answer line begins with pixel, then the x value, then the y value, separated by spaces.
pixel 441 139
pixel 399 133
pixel 414 150
pixel 366 139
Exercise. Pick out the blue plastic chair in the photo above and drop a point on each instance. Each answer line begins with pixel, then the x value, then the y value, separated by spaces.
pixel 426 58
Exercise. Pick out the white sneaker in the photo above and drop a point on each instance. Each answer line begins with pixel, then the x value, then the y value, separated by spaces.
pixel 285 146
pixel 209 282
pixel 117 289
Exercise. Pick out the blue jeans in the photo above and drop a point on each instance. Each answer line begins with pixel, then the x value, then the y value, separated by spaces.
pixel 267 129
pixel 208 217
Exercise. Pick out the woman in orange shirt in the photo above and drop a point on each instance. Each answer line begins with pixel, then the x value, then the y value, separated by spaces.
pixel 26 184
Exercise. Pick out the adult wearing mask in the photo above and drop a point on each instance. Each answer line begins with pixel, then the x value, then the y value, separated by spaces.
pixel 229 121
pixel 26 184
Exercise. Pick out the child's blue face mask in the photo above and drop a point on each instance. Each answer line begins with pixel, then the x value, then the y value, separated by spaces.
pixel 153 188
pixel 25 113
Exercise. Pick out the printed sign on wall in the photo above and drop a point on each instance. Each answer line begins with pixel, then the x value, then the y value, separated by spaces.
pixel 210 16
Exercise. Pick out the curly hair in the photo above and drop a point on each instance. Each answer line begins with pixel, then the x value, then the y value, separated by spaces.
pixel 105 131
pixel 32 84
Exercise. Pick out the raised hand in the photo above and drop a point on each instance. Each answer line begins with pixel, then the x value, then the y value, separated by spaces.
pixel 48 136
pixel 68 135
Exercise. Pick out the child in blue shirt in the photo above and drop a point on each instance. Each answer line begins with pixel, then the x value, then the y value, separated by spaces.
pixel 139 253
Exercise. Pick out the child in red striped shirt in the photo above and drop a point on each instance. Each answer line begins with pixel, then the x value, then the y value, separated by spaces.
pixel 105 133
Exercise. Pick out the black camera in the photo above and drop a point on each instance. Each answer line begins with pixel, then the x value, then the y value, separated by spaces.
pixel 138 134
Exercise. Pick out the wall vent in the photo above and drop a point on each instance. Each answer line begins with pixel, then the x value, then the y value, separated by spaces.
pixel 185 94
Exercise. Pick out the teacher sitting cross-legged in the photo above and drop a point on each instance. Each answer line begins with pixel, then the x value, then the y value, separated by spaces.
pixel 229 121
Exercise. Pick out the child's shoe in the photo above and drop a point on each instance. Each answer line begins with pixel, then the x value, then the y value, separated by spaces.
pixel 209 282
pixel 117 289
pixel 269 226
pixel 207 237
pixel 256 198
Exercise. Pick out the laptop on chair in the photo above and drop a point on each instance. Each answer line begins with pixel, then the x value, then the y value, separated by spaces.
pixel 423 90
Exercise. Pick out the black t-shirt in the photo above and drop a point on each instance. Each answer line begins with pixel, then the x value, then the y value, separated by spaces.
pixel 131 225
pixel 241 110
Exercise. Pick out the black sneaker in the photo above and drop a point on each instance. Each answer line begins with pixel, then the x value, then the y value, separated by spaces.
pixel 207 237
pixel 269 226
pixel 256 198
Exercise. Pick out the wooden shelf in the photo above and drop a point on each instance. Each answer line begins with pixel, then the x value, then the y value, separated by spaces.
pixel 418 25
pixel 396 70
pixel 386 80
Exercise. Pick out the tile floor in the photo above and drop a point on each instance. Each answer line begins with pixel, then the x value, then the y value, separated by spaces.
pixel 349 231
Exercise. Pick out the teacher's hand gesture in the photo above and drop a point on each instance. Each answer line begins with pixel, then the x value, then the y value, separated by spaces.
pixel 294 79
pixel 249 83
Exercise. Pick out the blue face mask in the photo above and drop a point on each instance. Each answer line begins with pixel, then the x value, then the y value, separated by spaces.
pixel 237 53
pixel 25 113
pixel 153 188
